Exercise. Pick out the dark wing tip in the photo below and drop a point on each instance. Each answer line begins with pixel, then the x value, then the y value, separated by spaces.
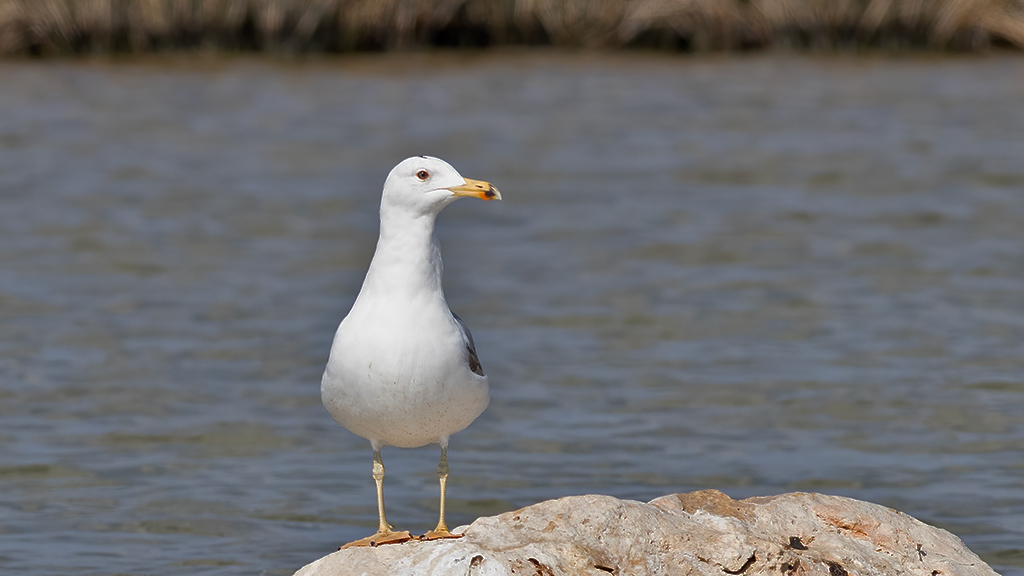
pixel 474 360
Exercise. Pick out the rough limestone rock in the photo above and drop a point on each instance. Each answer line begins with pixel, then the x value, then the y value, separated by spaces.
pixel 701 533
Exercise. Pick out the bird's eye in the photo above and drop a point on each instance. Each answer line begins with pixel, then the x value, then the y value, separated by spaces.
pixel 423 175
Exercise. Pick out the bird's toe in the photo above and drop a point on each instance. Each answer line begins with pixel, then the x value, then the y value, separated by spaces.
pixel 381 538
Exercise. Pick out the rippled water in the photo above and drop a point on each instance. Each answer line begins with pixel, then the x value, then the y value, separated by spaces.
pixel 757 274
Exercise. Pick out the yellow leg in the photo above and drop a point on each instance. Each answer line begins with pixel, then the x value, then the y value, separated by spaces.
pixel 384 533
pixel 378 478
pixel 442 473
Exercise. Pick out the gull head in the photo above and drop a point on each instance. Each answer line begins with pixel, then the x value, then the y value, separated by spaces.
pixel 424 185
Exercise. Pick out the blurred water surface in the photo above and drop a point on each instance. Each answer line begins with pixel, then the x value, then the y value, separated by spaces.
pixel 756 274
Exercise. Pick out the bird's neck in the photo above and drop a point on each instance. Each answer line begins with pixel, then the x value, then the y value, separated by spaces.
pixel 408 258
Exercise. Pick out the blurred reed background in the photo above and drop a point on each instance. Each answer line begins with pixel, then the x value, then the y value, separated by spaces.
pixel 44 27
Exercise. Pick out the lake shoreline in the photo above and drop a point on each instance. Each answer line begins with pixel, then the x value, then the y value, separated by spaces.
pixel 344 26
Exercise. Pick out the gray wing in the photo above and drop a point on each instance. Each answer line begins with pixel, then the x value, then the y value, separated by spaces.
pixel 467 336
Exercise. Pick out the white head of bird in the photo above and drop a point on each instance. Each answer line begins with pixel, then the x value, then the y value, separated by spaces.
pixel 423 185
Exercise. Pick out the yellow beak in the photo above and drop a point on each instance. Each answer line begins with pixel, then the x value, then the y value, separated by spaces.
pixel 476 189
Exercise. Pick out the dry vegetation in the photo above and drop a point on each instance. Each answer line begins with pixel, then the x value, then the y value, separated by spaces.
pixel 65 26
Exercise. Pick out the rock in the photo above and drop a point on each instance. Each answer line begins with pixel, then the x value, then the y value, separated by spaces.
pixel 701 533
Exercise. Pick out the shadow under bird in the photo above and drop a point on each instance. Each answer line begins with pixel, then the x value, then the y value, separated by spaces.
pixel 403 369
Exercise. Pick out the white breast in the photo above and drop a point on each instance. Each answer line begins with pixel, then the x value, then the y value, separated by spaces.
pixel 399 374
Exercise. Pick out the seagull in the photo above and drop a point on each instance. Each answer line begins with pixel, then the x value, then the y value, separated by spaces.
pixel 403 369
